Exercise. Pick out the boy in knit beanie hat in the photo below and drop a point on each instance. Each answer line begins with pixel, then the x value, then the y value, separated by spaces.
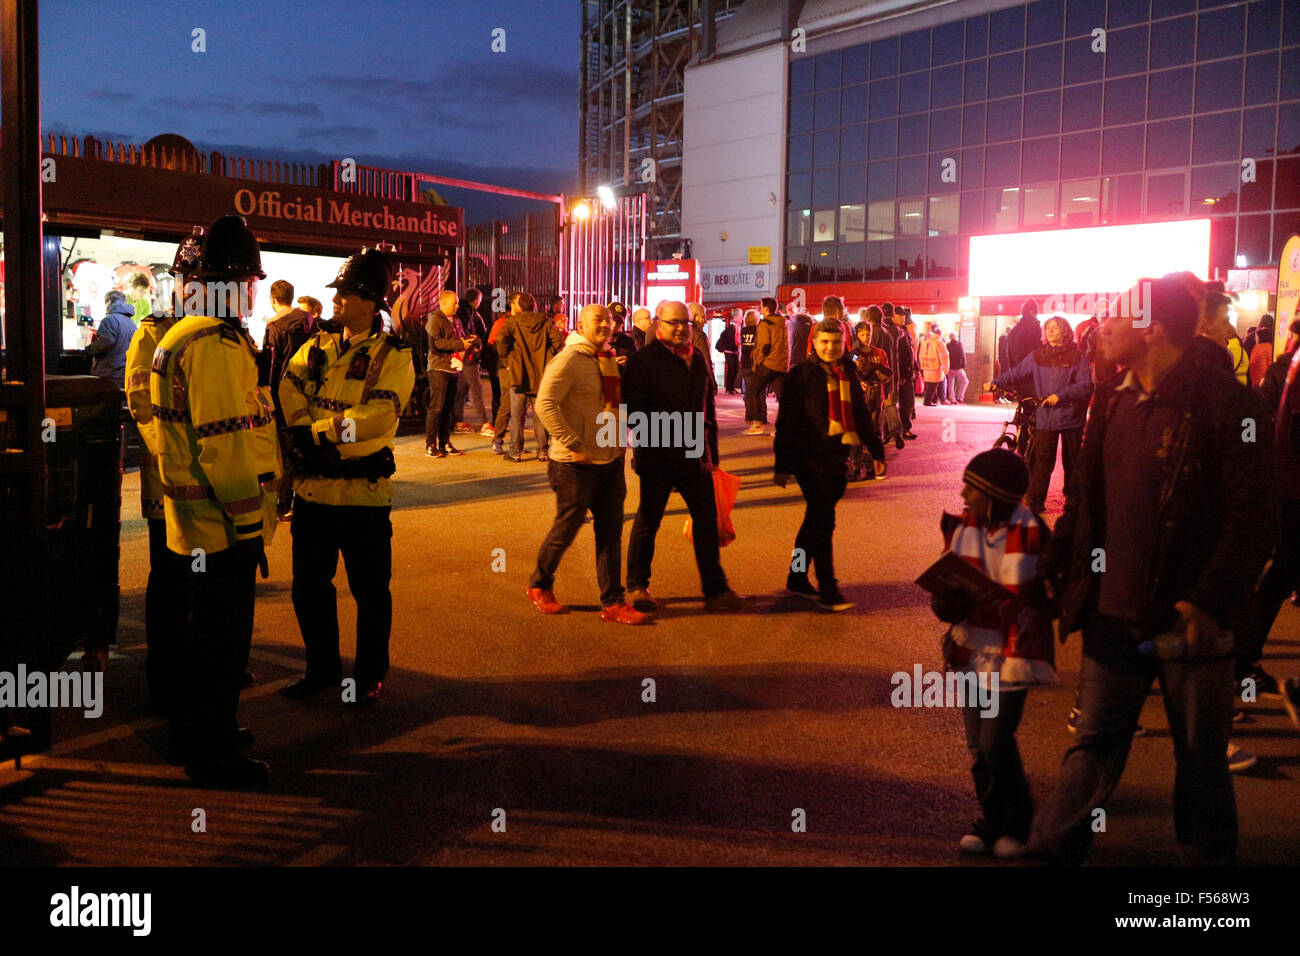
pixel 1008 645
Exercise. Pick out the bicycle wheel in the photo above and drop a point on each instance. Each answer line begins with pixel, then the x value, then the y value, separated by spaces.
pixel 1005 441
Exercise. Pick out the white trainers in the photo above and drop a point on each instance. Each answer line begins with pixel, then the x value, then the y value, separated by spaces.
pixel 1239 758
pixel 973 843
pixel 1008 848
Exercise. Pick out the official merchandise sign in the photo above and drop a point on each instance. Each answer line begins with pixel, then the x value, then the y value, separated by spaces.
pixel 1288 292
pixel 735 282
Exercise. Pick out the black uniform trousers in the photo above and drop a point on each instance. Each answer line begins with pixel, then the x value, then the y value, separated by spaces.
pixel 213 651
pixel 164 619
pixel 364 535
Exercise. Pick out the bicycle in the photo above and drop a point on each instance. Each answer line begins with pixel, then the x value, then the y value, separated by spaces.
pixel 1018 433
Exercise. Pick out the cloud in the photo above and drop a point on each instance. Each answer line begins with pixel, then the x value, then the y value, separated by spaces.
pixel 228 104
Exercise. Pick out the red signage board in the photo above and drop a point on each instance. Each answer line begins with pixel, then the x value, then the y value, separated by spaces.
pixel 669 280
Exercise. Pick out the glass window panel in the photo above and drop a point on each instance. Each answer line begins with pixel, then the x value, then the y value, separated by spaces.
pixel 853 184
pixel 1216 138
pixel 796 268
pixel 850 264
pixel 911 217
pixel 880 220
pixel 799 189
pixel 1007 30
pixel 826 187
pixel 826 148
pixel 1261 78
pixel 940 257
pixel 1169 143
pixel 1002 209
pixel 1043 113
pixel 972 213
pixel 1169 8
pixel 1121 198
pixel 914 51
pixel 1172 42
pixel 1002 165
pixel 853 144
pixel 1040 159
pixel 1039 206
pixel 1288 128
pixel 945 87
pixel 1126 51
pixel 1080 155
pixel 1167 196
pixel 937 177
pixel 977 36
pixel 800 152
pixel 977 81
pixel 1084 16
pixel 1043 68
pixel 943 215
pixel 1125 12
pixel 1264 25
pixel 853 104
pixel 1044 21
pixel 827 112
pixel 1004 120
pixel 913 135
pixel 884 58
pixel 1006 74
pixel 853 223
pixel 1252 240
pixel 1291 75
pixel 1081 203
pixel 880 182
pixel 1285 225
pixel 878 259
pixel 828 70
pixel 909 259
pixel 1258 129
pixel 1223 242
pixel 1081 64
pixel 1214 189
pixel 948 43
pixel 945 129
pixel 1218 86
pixel 884 99
pixel 1221 33
pixel 1122 149
pixel 801 77
pixel 882 140
pixel 1126 100
pixel 1258 196
pixel 914 93
pixel 823 264
pixel 1290 24
pixel 823 225
pixel 1170 94
pixel 801 115
pixel 798 228
pixel 972 125
pixel 854 67
pixel 912 175
pixel 970 168
pixel 1081 107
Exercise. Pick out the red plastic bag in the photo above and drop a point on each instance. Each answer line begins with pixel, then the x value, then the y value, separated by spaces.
pixel 725 489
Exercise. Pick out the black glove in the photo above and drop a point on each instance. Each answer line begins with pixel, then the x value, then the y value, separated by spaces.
pixel 1034 593
pixel 255 550
pixel 303 442
pixel 952 605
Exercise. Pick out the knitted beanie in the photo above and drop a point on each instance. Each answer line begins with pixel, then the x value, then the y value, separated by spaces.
pixel 1000 474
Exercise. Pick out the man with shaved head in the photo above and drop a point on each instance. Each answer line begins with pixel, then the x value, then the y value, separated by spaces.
pixel 447 344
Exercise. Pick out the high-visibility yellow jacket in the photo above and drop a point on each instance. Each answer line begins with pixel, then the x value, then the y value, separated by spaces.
pixel 351 397
pixel 215 430
pixel 139 370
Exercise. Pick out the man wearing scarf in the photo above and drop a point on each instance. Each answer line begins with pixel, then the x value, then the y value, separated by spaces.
pixel 823 415
pixel 580 387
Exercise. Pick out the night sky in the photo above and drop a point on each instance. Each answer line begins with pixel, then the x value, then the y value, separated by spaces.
pixel 402 84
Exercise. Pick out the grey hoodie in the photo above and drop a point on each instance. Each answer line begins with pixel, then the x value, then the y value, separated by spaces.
pixel 569 403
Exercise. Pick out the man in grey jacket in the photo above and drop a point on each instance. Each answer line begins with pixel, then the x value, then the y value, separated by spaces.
pixel 578 403
pixel 448 344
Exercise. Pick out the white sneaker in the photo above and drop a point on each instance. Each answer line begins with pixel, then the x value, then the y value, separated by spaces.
pixel 1008 848
pixel 972 843
pixel 1239 758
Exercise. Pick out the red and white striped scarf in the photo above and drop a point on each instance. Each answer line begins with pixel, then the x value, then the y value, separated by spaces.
pixel 840 403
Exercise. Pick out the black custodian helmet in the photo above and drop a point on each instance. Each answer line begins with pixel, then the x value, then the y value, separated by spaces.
pixel 368 274
pixel 187 253
pixel 230 251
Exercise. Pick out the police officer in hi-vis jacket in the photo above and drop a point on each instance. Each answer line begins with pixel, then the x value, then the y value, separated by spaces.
pixel 219 462
pixel 342 394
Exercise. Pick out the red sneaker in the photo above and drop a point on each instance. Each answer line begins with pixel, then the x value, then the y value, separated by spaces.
pixel 544 601
pixel 623 613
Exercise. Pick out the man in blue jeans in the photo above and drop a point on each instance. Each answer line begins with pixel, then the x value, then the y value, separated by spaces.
pixel 1167 525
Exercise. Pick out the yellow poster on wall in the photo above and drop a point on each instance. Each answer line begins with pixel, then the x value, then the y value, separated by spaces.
pixel 1288 292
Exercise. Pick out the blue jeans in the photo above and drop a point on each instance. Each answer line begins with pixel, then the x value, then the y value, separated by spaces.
pixel 519 401
pixel 1198 697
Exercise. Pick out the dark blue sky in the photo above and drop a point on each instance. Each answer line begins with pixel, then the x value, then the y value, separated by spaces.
pixel 404 84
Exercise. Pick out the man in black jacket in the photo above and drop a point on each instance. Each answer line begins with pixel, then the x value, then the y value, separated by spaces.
pixel 905 369
pixel 823 415
pixel 471 383
pixel 671 380
pixel 285 335
pixel 1025 336
pixel 528 341
pixel 1168 522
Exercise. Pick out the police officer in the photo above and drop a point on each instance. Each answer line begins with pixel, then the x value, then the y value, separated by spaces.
pixel 219 461
pixel 163 597
pixel 342 394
